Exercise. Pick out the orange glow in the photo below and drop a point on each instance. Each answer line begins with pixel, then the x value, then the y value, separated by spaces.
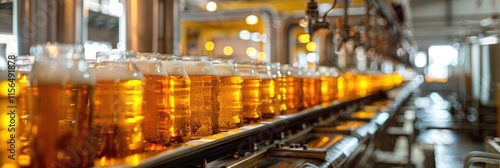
pixel 341 87
pixel 351 85
pixel 362 85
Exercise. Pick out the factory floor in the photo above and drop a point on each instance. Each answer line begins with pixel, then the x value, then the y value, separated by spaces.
pixel 435 140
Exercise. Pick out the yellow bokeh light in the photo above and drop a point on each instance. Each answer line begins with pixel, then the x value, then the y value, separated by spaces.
pixel 211 6
pixel 251 52
pixel 228 50
pixel 209 45
pixel 303 38
pixel 311 46
pixel 252 19
pixel 261 56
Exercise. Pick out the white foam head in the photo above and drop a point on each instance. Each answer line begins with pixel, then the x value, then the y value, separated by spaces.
pixel 151 67
pixel 198 67
pixel 61 71
pixel 226 68
pixel 117 72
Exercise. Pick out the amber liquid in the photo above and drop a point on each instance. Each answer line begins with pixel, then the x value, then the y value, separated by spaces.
pixel 252 103
pixel 361 85
pixel 281 95
pixel 329 89
pixel 326 95
pixel 156 112
pixel 118 118
pixel 388 81
pixel 268 97
pixel 398 79
pixel 375 85
pixel 179 103
pixel 6 130
pixel 351 85
pixel 24 103
pixel 231 102
pixel 204 105
pixel 20 132
pixel 308 89
pixel 293 94
pixel 341 88
pixel 61 126
pixel 317 91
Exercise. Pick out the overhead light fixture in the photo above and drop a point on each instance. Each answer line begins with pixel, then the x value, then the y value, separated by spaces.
pixel 312 57
pixel 209 46
pixel 252 52
pixel 244 35
pixel 311 46
pixel 261 56
pixel 251 20
pixel 421 59
pixel 211 6
pixel 255 36
pixel 228 50
pixel 303 38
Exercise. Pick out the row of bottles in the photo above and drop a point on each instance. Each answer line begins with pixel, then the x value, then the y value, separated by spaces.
pixel 72 111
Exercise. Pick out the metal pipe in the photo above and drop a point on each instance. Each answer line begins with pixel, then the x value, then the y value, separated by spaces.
pixel 346 19
pixel 38 22
pixel 170 27
pixel 139 29
pixel 151 26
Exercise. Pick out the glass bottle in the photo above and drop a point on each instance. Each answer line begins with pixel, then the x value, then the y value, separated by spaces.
pixel 204 98
pixel 24 64
pixel 362 84
pixel 61 113
pixel 10 99
pixel 307 85
pixel 333 82
pixel 328 84
pixel 293 89
pixel 315 75
pixel 267 90
pixel 179 99
pixel 342 86
pixel 251 93
pixel 157 119
pixel 230 94
pixel 280 80
pixel 350 78
pixel 118 105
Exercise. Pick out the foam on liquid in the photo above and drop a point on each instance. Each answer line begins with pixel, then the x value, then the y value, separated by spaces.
pixel 151 68
pixel 61 71
pixel 198 68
